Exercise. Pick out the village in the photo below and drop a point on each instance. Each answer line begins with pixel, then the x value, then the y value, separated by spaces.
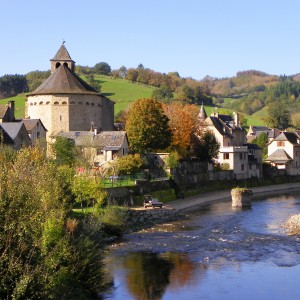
pixel 66 106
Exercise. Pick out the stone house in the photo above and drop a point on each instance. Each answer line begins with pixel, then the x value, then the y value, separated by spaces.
pixel 255 131
pixel 36 129
pixel 284 153
pixel 65 102
pixel 234 152
pixel 7 112
pixel 14 134
pixel 99 148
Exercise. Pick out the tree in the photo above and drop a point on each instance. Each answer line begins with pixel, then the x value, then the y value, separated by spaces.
pixel 183 119
pixel 87 190
pixel 64 151
pixel 147 126
pixel 102 68
pixel 205 145
pixel 262 142
pixel 126 165
pixel 279 114
pixel 163 93
pixel 44 254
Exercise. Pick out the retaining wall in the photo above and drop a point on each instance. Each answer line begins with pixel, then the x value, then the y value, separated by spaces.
pixel 152 215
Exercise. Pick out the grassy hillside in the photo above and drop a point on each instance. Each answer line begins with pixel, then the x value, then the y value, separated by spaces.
pixel 19 105
pixel 122 92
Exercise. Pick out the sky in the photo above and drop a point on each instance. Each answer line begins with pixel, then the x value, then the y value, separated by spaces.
pixel 192 37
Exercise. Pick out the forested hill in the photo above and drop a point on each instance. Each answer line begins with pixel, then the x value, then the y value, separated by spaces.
pixel 251 92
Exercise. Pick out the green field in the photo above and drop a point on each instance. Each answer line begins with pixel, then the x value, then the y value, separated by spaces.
pixel 19 105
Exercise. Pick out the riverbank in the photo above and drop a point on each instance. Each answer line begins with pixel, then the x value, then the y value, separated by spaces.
pixel 192 202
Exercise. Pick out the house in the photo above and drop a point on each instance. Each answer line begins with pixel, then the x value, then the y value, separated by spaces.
pixel 255 131
pixel 65 102
pixel 234 152
pixel 284 153
pixel 7 112
pixel 101 147
pixel 14 134
pixel 36 129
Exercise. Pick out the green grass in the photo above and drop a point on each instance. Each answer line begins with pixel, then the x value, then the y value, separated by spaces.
pixel 19 105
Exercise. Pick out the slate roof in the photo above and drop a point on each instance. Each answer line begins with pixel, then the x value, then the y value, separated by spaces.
pixel 219 125
pixel 64 81
pixel 62 54
pixel 107 140
pixel 7 138
pixel 110 139
pixel 30 124
pixel 279 156
pixel 292 137
pixel 12 128
pixel 253 146
pixel 3 109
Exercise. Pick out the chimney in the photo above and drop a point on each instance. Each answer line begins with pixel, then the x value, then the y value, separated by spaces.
pixel 236 119
pixel 11 105
pixel 95 131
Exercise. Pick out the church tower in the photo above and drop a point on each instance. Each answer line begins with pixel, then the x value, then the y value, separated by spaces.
pixel 62 57
pixel 64 102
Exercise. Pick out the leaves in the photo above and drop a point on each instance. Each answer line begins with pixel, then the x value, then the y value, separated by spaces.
pixel 147 126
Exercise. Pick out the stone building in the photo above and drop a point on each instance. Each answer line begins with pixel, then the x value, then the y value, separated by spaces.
pixel 64 102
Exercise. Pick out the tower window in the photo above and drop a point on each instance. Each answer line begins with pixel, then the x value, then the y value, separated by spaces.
pixel 41 102
pixel 60 118
pixel 66 65
pixel 64 103
pixel 56 103
pixel 57 65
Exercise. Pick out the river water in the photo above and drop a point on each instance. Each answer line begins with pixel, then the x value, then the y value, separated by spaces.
pixel 217 253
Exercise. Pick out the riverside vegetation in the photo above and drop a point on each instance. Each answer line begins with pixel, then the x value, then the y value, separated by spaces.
pixel 47 251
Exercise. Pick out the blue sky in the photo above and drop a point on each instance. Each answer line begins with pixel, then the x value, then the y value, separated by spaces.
pixel 193 37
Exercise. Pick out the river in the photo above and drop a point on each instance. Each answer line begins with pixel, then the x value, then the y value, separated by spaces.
pixel 216 253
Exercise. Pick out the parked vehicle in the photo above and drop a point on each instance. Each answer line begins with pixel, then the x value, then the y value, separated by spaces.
pixel 149 201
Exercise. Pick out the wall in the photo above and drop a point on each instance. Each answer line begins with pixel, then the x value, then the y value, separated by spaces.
pixel 152 216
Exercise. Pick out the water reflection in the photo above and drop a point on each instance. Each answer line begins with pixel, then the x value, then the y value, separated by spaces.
pixel 148 275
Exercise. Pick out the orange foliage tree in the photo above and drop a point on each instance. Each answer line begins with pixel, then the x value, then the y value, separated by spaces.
pixel 183 119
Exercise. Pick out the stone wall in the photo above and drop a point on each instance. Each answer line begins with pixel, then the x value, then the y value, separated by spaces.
pixel 152 216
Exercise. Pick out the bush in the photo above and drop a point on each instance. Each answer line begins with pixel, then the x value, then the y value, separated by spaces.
pixel 114 219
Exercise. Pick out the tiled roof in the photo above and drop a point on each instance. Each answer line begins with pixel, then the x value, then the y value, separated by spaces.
pixel 217 123
pixel 279 156
pixel 62 54
pixel 64 81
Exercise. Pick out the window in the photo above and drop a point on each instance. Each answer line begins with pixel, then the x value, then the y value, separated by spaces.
pixel 241 156
pixel 56 103
pixel 242 167
pixel 225 155
pixel 280 144
pixel 250 167
pixel 250 151
pixel 60 118
pixel 64 103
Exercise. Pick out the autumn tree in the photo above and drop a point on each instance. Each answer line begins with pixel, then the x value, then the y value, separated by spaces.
pixel 147 126
pixel 183 118
pixel 163 93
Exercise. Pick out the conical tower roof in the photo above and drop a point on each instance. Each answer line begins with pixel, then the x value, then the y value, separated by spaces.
pixel 62 54
pixel 64 81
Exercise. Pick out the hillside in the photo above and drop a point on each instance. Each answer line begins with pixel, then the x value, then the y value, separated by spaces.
pixel 123 93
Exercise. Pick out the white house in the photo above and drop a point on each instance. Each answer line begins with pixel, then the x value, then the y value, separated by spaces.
pixel 284 153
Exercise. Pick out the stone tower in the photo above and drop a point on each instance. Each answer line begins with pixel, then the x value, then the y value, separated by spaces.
pixel 64 102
